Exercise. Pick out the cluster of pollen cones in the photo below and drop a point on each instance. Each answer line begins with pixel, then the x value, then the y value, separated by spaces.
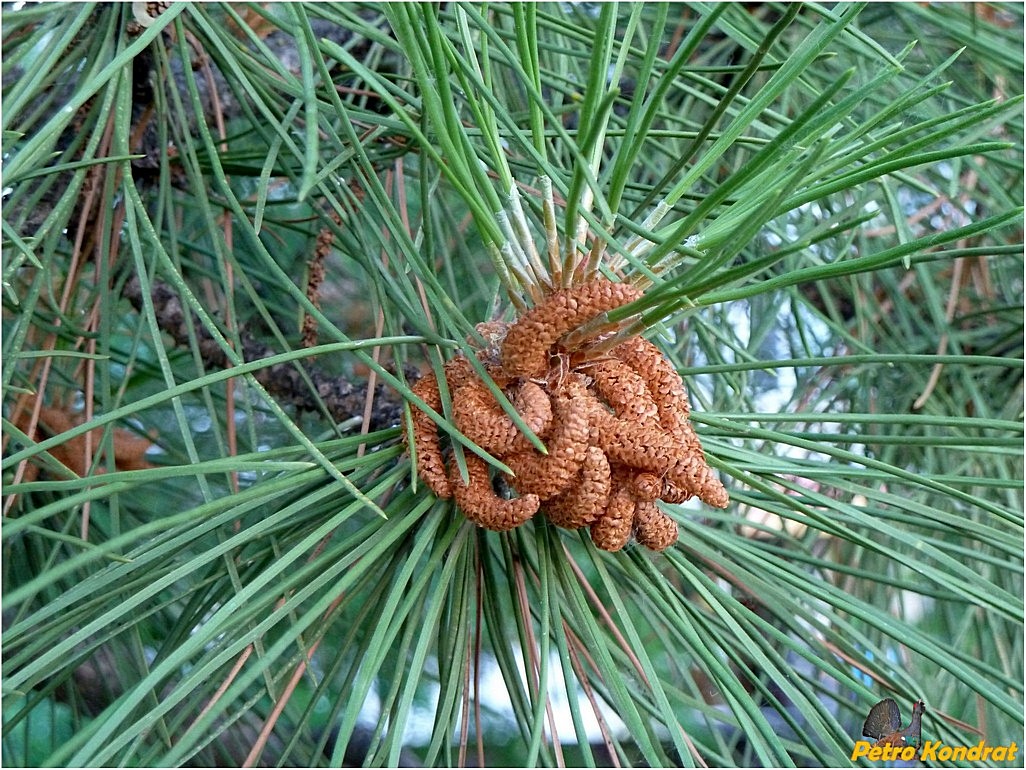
pixel 615 426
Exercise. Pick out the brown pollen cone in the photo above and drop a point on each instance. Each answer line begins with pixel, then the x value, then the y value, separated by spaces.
pixel 653 528
pixel 645 487
pixel 612 530
pixel 624 390
pixel 638 445
pixel 482 506
pixel 693 475
pixel 430 463
pixel 586 498
pixel 664 383
pixel 529 342
pixel 480 418
pixel 548 475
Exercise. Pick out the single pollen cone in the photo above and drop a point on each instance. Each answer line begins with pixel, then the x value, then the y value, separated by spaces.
pixel 529 342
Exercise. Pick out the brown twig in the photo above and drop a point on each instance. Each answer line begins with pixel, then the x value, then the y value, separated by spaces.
pixel 342 399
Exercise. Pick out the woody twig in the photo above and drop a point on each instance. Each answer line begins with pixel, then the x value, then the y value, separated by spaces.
pixel 343 399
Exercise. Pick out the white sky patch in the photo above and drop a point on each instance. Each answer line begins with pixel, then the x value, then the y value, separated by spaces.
pixel 740 322
pixel 495 702
pixel 774 400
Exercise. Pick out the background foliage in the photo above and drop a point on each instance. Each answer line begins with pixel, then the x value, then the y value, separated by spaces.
pixel 837 272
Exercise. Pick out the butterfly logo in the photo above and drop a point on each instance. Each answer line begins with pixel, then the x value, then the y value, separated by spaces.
pixel 884 724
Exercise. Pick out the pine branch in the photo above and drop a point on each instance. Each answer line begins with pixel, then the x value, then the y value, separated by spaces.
pixel 343 399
